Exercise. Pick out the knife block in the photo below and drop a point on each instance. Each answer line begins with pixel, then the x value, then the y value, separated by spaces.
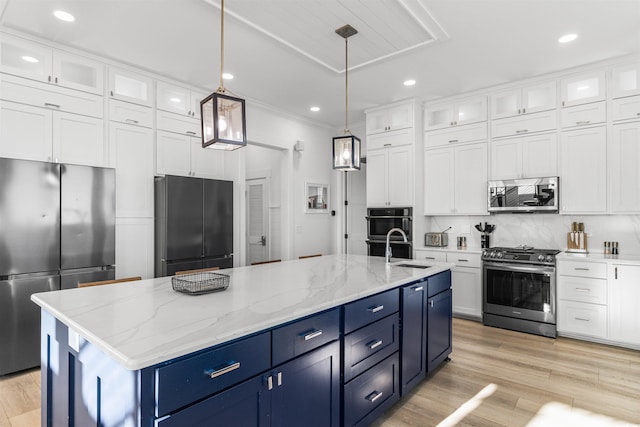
pixel 574 245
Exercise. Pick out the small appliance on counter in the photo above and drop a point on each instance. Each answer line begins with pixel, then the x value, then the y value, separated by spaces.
pixel 438 240
pixel 484 237
pixel 577 239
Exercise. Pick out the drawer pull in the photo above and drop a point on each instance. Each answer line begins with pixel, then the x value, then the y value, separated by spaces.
pixel 190 132
pixel 583 122
pixel 373 396
pixel 374 344
pixel 581 269
pixel 418 288
pixel 48 104
pixel 386 145
pixel 463 260
pixel 232 366
pixel 452 141
pixel 376 308
pixel 522 131
pixel 430 257
pixel 583 289
pixel 311 334
pixel 135 122
pixel 582 319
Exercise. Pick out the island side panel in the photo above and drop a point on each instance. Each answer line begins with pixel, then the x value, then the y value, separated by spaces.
pixel 81 386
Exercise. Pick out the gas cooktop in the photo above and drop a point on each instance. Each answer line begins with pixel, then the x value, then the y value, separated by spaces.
pixel 521 254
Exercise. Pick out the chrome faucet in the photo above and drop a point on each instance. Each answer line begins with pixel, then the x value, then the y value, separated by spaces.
pixel 387 252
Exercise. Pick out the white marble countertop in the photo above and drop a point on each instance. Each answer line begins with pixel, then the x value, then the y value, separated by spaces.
pixel 600 257
pixel 140 324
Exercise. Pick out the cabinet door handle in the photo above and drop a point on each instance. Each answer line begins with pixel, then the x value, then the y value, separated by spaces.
pixel 270 382
pixel 374 344
pixel 581 269
pixel 111 93
pixel 418 289
pixel 231 366
pixel 583 289
pixel 616 273
pixel 49 79
pixel 135 122
pixel 373 396
pixel 190 132
pixel 311 334
pixel 48 104
pixel 583 122
pixel 519 112
pixel 279 379
pixel 522 131
pixel 637 114
pixel 56 80
pixel 582 319
pixel 431 303
pixel 376 308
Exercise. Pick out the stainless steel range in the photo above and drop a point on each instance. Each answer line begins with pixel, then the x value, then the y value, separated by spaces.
pixel 519 289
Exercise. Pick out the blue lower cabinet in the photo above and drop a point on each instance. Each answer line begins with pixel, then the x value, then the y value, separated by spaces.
pixel 439 328
pixel 370 394
pixel 414 335
pixel 246 404
pixel 306 390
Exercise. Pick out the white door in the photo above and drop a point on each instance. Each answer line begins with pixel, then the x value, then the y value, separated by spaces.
pixel 173 154
pixel 400 176
pixel 257 221
pixel 25 132
pixel 78 139
pixel 357 211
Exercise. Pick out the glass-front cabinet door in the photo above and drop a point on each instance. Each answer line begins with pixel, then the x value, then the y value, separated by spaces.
pixel 506 103
pixel 583 88
pixel 540 97
pixel 471 111
pixel 625 80
pixel 79 73
pixel 131 87
pixel 26 59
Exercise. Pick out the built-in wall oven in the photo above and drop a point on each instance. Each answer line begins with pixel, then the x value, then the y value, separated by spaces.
pixel 380 221
pixel 519 289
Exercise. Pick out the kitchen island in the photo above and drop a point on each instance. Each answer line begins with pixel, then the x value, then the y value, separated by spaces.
pixel 141 354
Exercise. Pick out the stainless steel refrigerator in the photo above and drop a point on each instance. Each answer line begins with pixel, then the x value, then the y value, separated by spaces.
pixel 193 224
pixel 57 229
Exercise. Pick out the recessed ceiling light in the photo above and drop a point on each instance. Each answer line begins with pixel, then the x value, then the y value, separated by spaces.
pixel 409 82
pixel 314 109
pixel 64 16
pixel 227 76
pixel 567 38
pixel 174 99
pixel 30 59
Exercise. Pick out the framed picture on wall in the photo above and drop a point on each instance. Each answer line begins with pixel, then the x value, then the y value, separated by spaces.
pixel 316 198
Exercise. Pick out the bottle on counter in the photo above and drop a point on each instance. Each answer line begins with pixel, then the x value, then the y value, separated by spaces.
pixel 607 248
pixel 614 249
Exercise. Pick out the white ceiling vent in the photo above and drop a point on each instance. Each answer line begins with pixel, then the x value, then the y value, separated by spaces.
pixel 385 28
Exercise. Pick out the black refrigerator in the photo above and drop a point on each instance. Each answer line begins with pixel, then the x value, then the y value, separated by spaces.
pixel 57 229
pixel 193 224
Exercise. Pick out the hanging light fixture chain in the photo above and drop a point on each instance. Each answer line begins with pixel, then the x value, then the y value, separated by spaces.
pixel 221 88
pixel 346 85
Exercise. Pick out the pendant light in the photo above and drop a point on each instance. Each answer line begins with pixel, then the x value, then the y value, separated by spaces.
pixel 346 149
pixel 223 116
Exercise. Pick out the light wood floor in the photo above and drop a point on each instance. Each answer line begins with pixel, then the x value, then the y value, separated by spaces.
pixel 495 378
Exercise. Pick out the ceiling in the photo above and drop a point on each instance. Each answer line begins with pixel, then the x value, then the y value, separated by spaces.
pixel 286 53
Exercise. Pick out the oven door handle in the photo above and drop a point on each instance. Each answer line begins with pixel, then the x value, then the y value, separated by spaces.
pixel 519 268
pixel 368 218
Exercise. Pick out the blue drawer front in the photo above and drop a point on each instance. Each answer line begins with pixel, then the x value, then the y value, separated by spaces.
pixel 370 394
pixel 368 310
pixel 439 283
pixel 305 335
pixel 369 345
pixel 182 383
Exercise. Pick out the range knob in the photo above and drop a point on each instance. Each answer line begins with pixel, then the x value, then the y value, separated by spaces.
pixel 540 257
pixel 485 254
pixel 499 255
pixel 492 254
pixel 549 258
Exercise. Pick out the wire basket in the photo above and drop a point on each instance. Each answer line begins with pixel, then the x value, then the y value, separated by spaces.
pixel 200 283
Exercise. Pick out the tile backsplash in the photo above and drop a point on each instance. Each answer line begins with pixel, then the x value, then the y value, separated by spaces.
pixel 547 231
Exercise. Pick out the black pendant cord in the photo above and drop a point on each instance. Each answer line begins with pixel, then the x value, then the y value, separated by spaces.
pixel 221 88
pixel 346 86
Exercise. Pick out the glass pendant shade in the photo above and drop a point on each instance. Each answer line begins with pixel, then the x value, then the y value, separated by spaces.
pixel 346 153
pixel 223 122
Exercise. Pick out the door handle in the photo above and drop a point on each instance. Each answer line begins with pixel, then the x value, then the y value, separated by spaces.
pixel 263 240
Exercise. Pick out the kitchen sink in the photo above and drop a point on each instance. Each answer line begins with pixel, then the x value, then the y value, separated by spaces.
pixel 413 265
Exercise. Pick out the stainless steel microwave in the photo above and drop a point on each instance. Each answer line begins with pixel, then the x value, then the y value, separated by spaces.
pixel 524 195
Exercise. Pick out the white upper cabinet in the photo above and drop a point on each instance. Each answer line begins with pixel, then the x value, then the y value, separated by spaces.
pixel 390 177
pixel 625 80
pixel 131 87
pixel 625 174
pixel 178 99
pixel 38 62
pixel 583 88
pixel 583 175
pixel 527 157
pixel 528 99
pixel 183 155
pixel 458 113
pixel 390 119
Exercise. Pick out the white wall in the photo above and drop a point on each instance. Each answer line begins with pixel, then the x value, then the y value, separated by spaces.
pixel 547 231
